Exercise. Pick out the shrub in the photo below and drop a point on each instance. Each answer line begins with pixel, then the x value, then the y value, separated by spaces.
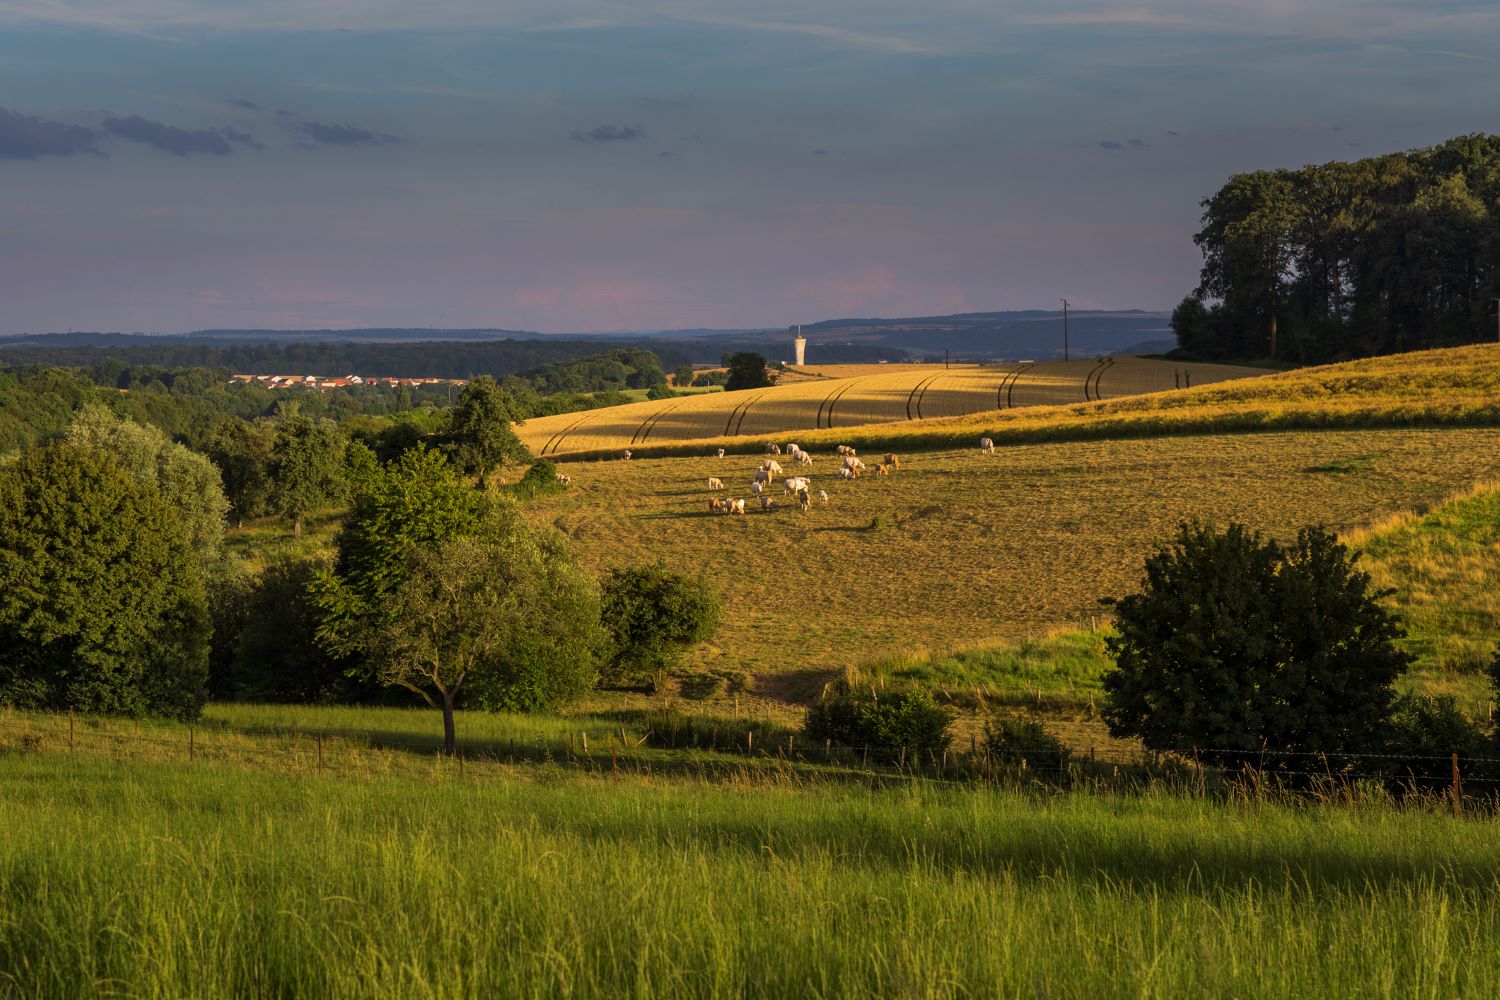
pixel 1237 643
pixel 653 616
pixel 1424 734
pixel 887 721
pixel 660 392
pixel 1012 740
pixel 540 480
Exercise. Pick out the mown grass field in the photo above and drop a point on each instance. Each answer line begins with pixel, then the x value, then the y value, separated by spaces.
pixel 889 393
pixel 193 879
pixel 959 547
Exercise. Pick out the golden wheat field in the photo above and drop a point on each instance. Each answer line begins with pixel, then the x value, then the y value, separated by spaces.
pixel 864 394
pixel 958 546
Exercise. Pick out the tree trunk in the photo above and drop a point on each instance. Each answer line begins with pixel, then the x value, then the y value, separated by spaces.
pixel 449 744
pixel 1273 335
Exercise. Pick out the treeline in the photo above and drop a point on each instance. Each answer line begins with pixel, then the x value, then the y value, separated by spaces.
pixel 1340 260
pixel 119 596
pixel 433 359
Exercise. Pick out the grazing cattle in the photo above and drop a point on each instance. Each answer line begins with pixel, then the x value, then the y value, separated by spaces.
pixel 715 505
pixel 804 501
pixel 721 453
pixel 804 458
pixel 850 462
pixel 893 461
pixel 715 483
pixel 625 454
pixel 846 473
pixel 823 497
pixel 883 469
pixel 736 506
pixel 762 476
pixel 796 484
pixel 564 478
pixel 852 452
pixel 772 449
pixel 767 504
pixel 843 449
pixel 757 488
pixel 794 449
pixel 987 446
pixel 772 466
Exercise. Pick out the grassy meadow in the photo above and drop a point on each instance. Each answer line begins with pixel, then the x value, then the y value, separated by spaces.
pixel 191 879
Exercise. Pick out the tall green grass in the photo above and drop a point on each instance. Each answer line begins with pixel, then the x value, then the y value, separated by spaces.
pixel 180 880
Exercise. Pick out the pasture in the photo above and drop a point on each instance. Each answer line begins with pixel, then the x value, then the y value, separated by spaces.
pixel 886 394
pixel 958 547
pixel 204 880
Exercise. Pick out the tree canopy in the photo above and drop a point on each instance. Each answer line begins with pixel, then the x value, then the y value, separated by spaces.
pixel 102 605
pixel 480 436
pixel 747 370
pixel 652 616
pixel 1237 643
pixel 1337 260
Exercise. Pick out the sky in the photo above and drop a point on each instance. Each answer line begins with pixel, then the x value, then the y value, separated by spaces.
pixel 585 165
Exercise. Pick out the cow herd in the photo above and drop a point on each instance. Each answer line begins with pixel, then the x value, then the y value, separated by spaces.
pixel 798 487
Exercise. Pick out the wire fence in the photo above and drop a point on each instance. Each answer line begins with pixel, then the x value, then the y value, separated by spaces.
pixel 751 752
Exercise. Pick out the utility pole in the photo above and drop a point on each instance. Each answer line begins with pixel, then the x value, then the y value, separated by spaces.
pixel 1065 329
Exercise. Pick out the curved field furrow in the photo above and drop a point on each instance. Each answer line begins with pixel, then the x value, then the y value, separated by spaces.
pixel 878 394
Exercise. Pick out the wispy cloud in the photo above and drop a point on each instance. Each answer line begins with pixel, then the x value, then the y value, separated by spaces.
pixel 168 138
pixel 609 133
pixel 25 137
pixel 325 134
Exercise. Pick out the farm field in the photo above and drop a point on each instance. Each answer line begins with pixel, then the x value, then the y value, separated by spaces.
pixel 960 547
pixel 886 394
pixel 195 879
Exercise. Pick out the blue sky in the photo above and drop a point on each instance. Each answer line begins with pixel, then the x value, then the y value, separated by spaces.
pixel 563 165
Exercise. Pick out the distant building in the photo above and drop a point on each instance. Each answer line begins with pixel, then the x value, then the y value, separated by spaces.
pixel 799 343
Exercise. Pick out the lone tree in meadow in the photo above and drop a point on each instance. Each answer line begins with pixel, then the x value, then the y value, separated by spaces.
pixel 1236 643
pixel 448 593
pixel 747 370
pixel 480 436
pixel 102 605
pixel 652 615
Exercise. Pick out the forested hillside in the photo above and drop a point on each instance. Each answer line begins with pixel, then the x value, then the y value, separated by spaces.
pixel 1342 260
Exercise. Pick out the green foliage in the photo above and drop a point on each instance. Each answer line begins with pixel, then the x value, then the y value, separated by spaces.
pixel 887 722
pixel 417 500
pixel 1011 740
pixel 1236 643
pixel 717 376
pixel 1386 254
pixel 682 375
pixel 242 450
pixel 540 480
pixel 102 605
pixel 747 370
pixel 187 481
pixel 652 616
pixel 307 466
pixel 660 392
pixel 480 436
pixel 278 657
pixel 1424 734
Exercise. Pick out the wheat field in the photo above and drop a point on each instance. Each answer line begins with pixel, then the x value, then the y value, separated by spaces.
pixel 864 394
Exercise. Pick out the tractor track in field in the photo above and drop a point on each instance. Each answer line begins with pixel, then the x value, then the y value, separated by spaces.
pixel 1005 393
pixel 918 391
pixel 649 424
pixel 1095 375
pixel 831 401
pixel 737 415
pixel 556 440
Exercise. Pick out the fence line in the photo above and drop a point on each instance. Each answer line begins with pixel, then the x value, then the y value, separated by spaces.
pixel 352 751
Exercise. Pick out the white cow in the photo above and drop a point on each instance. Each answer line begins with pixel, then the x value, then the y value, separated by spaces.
pixel 736 506
pixel 721 453
pixel 772 449
pixel 762 476
pixel 850 462
pixel 804 458
pixel 625 454
pixel 772 466
pixel 823 497
pixel 796 484
pixel 564 478
pixel 846 473
pixel 987 446
pixel 757 488
pixel 715 483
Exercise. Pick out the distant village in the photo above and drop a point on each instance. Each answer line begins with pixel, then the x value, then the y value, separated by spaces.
pixel 344 382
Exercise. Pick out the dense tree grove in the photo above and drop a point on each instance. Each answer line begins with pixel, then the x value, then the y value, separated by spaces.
pixel 102 605
pixel 747 370
pixel 1337 260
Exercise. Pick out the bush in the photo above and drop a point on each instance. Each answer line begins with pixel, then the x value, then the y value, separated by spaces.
pixel 660 392
pixel 1236 643
pixel 1012 740
pixel 540 480
pixel 653 616
pixel 887 722
pixel 1425 732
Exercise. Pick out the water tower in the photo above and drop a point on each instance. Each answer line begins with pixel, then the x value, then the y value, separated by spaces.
pixel 799 342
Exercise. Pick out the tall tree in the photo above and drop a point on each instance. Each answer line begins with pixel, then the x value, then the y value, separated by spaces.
pixel 101 599
pixel 307 466
pixel 652 616
pixel 747 370
pixel 480 436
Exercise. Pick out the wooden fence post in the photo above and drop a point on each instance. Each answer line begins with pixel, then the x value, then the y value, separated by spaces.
pixel 320 751
pixel 190 744
pixel 71 744
pixel 1458 802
